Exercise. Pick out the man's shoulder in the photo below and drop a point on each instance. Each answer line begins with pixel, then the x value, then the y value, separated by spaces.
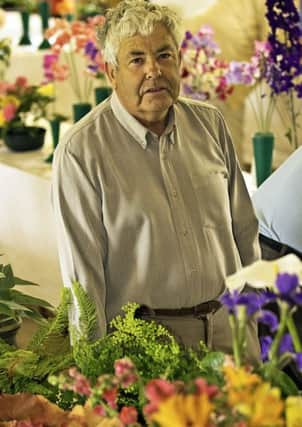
pixel 195 105
pixel 201 110
pixel 87 128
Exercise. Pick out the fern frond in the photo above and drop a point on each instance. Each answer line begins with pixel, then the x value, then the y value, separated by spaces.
pixel 87 310
pixel 53 337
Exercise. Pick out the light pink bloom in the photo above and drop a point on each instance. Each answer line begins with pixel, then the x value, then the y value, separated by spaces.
pixel 9 111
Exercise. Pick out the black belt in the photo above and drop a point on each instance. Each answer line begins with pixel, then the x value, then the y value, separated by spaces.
pixel 200 310
pixel 281 248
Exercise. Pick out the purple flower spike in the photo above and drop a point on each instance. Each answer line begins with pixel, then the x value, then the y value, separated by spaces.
pixel 230 301
pixel 298 358
pixel 270 319
pixel 286 344
pixel 252 301
pixel 287 283
pixel 265 344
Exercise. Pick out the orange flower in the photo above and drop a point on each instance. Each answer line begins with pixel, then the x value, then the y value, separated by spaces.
pixel 184 410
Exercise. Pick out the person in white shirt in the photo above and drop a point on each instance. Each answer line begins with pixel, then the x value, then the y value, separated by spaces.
pixel 278 206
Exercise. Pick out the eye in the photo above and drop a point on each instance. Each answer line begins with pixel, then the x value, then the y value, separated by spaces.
pixel 137 61
pixel 165 55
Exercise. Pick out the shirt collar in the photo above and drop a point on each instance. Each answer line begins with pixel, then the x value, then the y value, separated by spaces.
pixel 140 133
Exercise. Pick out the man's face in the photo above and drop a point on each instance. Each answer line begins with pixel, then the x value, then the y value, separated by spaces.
pixel 147 77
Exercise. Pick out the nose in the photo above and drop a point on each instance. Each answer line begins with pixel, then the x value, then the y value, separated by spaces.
pixel 152 69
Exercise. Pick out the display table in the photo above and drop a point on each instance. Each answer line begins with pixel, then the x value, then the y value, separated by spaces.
pixel 27 234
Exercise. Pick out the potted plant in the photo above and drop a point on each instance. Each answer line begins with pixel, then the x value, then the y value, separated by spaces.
pixel 15 305
pixel 21 106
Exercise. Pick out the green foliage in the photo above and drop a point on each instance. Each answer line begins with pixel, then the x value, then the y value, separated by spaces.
pixel 279 379
pixel 54 334
pixel 88 318
pixel 13 303
pixel 49 352
pixel 153 350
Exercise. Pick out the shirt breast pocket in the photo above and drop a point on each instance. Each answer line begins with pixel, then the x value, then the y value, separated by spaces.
pixel 213 201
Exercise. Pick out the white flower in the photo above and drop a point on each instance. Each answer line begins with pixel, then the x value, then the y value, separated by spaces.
pixel 263 274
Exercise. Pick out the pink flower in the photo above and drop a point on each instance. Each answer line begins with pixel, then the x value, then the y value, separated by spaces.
pixel 99 410
pixel 81 384
pixel 4 87
pixel 21 82
pixel 128 415
pixel 125 372
pixel 158 390
pixel 9 111
pixel 204 387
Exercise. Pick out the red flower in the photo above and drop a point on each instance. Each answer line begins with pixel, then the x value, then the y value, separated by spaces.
pixel 128 415
pixel 110 395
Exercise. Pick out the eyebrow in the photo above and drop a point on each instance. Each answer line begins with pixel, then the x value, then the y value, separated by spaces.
pixel 141 53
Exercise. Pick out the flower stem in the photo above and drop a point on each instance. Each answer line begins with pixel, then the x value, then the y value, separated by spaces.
pixel 73 75
pixel 235 339
pixel 293 117
pixel 294 334
pixel 282 326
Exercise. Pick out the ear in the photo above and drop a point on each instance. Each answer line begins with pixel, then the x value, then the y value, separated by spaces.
pixel 110 73
pixel 179 57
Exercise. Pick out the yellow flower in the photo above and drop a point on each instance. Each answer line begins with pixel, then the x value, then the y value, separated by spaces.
pixel 266 407
pixel 46 90
pixel 10 99
pixel 180 410
pixel 240 377
pixel 293 411
pixel 2 119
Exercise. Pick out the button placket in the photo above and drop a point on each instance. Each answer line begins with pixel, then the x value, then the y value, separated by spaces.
pixel 182 228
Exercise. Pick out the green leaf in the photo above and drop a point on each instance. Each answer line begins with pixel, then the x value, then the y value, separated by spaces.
pixel 19 281
pixel 14 306
pixel 279 379
pixel 21 298
pixel 8 280
pixel 213 360
pixel 4 309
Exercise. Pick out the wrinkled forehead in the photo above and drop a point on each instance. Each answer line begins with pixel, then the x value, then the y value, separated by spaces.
pixel 159 39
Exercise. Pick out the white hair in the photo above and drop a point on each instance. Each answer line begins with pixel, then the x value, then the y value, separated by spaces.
pixel 131 17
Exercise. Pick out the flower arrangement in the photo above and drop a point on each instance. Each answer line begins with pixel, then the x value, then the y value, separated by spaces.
pixel 275 69
pixel 22 104
pixel 256 74
pixel 285 39
pixel 203 73
pixel 69 40
pixel 204 390
pixel 245 400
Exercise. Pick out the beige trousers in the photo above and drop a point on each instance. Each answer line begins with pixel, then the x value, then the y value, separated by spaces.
pixel 215 332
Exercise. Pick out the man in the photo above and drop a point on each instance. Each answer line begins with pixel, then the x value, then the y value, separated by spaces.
pixel 278 207
pixel 149 200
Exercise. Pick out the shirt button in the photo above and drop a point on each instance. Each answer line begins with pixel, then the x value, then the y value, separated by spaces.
pixel 185 232
pixel 174 193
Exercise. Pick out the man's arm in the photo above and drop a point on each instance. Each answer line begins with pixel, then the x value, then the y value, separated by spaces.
pixel 244 221
pixel 81 236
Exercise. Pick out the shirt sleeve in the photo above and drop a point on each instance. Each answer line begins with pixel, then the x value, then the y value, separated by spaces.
pixel 81 237
pixel 244 220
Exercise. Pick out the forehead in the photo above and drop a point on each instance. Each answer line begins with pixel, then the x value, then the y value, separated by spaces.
pixel 158 38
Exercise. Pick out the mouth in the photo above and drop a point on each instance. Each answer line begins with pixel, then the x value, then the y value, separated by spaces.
pixel 155 90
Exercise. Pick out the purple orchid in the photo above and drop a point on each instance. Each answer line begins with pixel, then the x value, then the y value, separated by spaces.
pixel 289 289
pixel 252 301
pixel 286 344
pixel 270 319
pixel 265 345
